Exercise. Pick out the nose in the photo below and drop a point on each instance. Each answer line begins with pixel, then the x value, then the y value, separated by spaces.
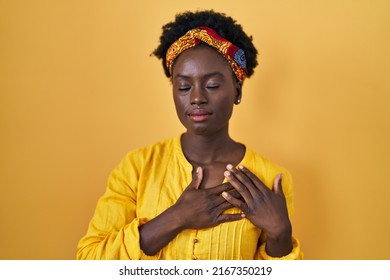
pixel 198 96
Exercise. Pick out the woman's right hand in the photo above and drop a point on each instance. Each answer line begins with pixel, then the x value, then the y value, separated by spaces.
pixel 203 208
pixel 195 209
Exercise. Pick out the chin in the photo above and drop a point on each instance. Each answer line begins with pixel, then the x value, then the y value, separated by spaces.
pixel 203 131
pixel 199 131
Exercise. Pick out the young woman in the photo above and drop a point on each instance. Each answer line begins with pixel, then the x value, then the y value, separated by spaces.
pixel 200 195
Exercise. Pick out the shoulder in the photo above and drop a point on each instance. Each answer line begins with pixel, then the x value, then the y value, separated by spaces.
pixel 158 151
pixel 142 159
pixel 260 162
pixel 158 146
pixel 266 169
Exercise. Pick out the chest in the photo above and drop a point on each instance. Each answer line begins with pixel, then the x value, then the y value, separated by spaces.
pixel 213 174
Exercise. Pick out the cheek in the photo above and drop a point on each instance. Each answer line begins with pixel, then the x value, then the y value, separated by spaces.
pixel 227 102
pixel 229 110
pixel 180 105
pixel 225 109
pixel 178 102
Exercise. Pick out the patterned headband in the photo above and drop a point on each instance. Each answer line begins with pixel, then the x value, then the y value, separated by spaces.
pixel 233 54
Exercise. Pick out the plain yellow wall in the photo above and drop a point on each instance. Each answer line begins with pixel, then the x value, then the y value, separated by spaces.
pixel 78 90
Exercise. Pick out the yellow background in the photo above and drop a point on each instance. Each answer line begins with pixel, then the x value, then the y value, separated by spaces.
pixel 78 90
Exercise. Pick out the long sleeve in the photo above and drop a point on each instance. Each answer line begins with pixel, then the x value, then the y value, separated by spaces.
pixel 113 231
pixel 295 254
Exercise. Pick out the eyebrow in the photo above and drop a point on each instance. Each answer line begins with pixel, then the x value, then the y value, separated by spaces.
pixel 204 76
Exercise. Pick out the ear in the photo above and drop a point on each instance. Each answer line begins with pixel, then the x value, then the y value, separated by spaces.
pixel 238 98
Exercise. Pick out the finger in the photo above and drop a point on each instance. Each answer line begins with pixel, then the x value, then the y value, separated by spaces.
pixel 217 202
pixel 248 181
pixel 240 188
pixel 234 193
pixel 219 199
pixel 223 207
pixel 230 218
pixel 217 190
pixel 235 201
pixel 196 178
pixel 278 189
pixel 257 182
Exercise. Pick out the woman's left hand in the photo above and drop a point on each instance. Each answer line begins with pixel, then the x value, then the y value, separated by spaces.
pixel 265 208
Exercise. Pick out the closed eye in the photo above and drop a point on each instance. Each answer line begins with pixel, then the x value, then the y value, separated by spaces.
pixel 212 86
pixel 184 89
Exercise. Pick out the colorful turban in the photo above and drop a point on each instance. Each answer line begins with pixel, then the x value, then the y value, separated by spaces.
pixel 233 54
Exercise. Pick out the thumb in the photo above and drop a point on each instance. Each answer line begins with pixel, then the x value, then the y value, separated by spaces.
pixel 278 185
pixel 197 178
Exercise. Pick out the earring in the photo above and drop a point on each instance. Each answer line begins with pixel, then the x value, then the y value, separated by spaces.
pixel 238 101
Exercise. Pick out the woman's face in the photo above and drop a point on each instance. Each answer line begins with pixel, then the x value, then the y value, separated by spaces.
pixel 204 90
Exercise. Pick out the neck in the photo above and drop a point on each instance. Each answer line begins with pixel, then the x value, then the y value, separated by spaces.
pixel 205 149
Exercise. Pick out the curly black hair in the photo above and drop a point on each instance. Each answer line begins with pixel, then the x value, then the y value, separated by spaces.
pixel 223 24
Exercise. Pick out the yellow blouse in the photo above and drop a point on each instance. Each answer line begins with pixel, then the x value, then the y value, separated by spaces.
pixel 148 181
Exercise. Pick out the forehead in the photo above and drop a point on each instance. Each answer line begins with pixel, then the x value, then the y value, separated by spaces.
pixel 200 60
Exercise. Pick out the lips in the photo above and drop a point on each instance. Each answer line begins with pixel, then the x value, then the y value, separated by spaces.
pixel 199 115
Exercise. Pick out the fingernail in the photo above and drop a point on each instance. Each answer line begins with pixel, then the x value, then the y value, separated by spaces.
pixel 197 170
pixel 226 173
pixel 224 194
pixel 241 167
pixel 242 215
pixel 229 167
